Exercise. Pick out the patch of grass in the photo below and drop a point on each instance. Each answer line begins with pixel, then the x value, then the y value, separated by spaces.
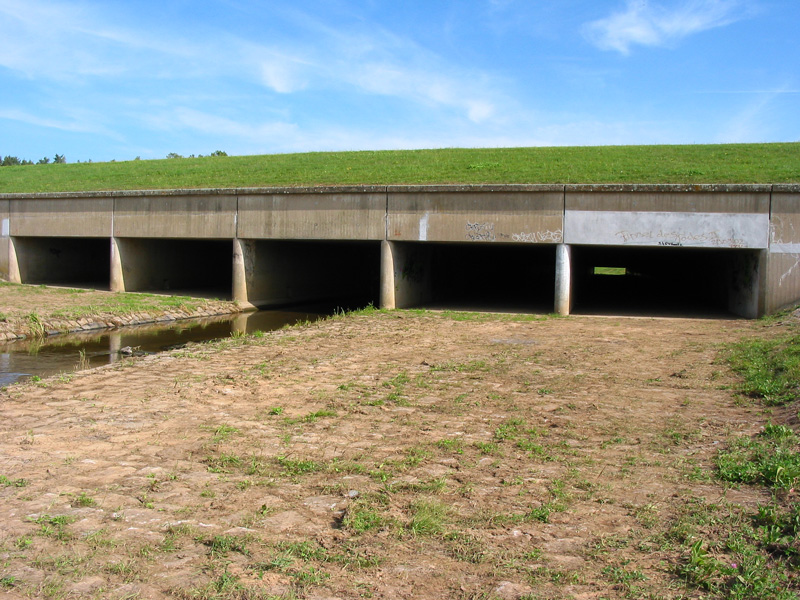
pixel 427 517
pixel 84 500
pixel 365 514
pixel 222 433
pixel 770 368
pixel 293 466
pixel 220 545
pixel 716 163
pixel 6 482
pixel 771 458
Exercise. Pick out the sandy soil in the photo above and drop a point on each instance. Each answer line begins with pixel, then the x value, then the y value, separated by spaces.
pixel 394 455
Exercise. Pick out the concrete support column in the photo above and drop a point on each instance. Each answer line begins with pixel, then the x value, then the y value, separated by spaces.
pixel 117 279
pixel 563 303
pixel 14 275
pixel 239 279
pixel 387 299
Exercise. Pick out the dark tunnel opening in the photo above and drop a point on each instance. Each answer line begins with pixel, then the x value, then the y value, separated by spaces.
pixel 498 278
pixel 200 268
pixel 332 275
pixel 658 281
pixel 73 262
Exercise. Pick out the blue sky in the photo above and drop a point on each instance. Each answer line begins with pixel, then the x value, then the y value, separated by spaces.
pixel 120 79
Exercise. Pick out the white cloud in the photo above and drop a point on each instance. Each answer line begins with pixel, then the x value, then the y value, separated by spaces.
pixel 652 24
pixel 86 124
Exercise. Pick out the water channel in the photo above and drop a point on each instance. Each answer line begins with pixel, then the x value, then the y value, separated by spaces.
pixel 23 359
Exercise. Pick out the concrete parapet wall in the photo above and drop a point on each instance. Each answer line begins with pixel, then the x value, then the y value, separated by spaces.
pixel 700 216
pixel 506 214
pixel 313 214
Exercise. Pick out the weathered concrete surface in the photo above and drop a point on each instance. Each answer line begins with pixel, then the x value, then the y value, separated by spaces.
pixel 200 215
pixel 668 215
pixel 314 214
pixel 783 270
pixel 530 214
pixel 61 217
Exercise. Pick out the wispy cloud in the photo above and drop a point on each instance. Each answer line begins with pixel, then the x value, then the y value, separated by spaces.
pixel 653 24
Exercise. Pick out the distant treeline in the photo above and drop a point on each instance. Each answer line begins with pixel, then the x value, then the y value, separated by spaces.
pixel 13 161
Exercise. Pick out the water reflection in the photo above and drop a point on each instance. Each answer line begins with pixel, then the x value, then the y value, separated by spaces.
pixel 66 353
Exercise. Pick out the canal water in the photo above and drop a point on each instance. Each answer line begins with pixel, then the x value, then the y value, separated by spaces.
pixel 23 359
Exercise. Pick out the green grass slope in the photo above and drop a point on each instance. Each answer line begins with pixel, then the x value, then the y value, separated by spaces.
pixel 725 163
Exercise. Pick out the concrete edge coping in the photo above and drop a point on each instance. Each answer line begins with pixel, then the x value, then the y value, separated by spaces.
pixel 723 188
pixel 396 189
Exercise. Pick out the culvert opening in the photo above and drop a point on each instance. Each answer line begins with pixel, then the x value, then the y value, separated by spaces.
pixel 489 277
pixel 329 274
pixel 664 281
pixel 72 262
pixel 200 268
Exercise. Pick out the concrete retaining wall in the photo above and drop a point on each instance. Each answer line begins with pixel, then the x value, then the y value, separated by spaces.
pixel 783 272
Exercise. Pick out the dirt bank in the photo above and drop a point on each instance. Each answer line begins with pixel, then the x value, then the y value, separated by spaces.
pixel 395 455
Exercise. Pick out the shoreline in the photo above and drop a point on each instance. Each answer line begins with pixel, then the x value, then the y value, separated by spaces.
pixel 96 311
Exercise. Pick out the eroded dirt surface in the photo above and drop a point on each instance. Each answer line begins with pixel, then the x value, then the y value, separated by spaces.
pixel 387 456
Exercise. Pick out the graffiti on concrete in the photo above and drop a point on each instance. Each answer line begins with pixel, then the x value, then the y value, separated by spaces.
pixel 480 232
pixel 485 232
pixel 680 238
pixel 538 236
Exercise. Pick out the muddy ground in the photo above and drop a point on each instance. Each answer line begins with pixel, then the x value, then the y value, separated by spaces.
pixel 398 455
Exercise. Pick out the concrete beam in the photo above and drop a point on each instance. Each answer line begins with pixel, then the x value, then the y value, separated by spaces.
pixel 313 214
pixel 61 217
pixel 196 216
pixel 525 214
pixel 667 215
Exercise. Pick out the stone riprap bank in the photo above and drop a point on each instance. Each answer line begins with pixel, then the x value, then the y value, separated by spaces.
pixel 732 248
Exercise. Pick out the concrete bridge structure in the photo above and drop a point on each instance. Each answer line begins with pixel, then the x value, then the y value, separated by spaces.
pixel 537 248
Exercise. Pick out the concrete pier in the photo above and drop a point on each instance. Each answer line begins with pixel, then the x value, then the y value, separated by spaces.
pixel 717 248
pixel 563 302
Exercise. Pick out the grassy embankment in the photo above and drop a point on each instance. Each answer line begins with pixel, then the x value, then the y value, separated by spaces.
pixel 756 555
pixel 29 307
pixel 725 163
